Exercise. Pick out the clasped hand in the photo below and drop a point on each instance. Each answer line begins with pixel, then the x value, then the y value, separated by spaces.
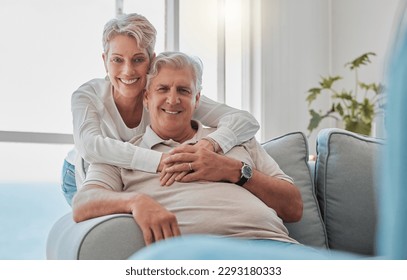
pixel 188 163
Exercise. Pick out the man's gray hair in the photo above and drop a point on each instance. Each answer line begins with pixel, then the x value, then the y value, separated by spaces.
pixel 177 60
pixel 133 25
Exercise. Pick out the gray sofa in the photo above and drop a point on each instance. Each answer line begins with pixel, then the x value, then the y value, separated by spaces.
pixel 338 190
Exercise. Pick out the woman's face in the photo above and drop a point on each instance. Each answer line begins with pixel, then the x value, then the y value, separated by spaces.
pixel 127 66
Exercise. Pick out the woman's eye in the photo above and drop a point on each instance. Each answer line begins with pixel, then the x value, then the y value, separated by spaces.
pixel 138 60
pixel 117 59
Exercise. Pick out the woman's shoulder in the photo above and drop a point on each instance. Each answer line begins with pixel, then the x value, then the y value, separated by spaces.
pixel 96 87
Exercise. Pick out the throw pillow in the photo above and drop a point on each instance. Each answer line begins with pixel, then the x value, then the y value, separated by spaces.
pixel 291 153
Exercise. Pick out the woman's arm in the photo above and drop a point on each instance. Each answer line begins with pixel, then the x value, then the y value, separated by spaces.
pixel 233 126
pixel 89 114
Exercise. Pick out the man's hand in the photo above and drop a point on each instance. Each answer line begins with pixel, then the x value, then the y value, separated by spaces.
pixel 198 163
pixel 155 221
pixel 180 165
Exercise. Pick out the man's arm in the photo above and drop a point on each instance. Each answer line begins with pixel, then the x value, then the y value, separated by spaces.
pixel 155 221
pixel 282 196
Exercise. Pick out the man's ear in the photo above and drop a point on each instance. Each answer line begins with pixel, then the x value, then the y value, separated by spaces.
pixel 197 98
pixel 145 100
pixel 152 58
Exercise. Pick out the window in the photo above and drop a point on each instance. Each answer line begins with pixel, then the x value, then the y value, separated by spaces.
pixel 214 35
pixel 50 48
pixel 49 54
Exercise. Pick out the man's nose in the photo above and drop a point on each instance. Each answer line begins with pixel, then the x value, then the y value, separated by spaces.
pixel 172 97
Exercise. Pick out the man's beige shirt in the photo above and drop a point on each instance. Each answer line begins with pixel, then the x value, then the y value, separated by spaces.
pixel 216 208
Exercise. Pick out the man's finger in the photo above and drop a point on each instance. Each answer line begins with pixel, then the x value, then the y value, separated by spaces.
pixel 157 233
pixel 175 229
pixel 180 167
pixel 147 235
pixel 180 157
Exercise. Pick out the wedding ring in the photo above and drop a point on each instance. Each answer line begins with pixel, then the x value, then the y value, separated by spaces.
pixel 190 167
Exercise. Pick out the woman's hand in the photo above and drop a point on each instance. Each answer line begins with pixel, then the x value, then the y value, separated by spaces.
pixel 167 178
pixel 155 221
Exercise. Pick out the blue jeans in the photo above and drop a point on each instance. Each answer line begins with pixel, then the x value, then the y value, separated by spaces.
pixel 68 181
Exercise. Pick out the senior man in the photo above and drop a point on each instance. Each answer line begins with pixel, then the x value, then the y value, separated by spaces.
pixel 246 196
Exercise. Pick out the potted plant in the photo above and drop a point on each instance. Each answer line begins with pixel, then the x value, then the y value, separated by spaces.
pixel 356 108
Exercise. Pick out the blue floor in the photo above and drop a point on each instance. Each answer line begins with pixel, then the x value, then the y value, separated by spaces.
pixel 27 213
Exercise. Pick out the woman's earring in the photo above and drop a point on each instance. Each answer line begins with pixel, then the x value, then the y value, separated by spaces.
pixel 107 77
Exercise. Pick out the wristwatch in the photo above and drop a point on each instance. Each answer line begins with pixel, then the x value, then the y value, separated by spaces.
pixel 246 174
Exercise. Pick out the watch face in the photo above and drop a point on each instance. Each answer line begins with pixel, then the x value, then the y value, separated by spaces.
pixel 247 171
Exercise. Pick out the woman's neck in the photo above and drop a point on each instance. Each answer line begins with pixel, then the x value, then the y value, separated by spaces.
pixel 130 109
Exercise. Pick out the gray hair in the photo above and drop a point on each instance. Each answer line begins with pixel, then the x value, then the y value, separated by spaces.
pixel 133 25
pixel 178 60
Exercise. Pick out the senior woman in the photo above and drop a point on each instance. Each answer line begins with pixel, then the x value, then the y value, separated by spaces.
pixel 109 112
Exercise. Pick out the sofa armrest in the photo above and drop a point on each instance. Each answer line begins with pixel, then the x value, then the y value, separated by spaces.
pixel 111 237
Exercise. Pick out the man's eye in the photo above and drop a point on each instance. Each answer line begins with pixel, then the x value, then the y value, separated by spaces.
pixel 184 91
pixel 162 89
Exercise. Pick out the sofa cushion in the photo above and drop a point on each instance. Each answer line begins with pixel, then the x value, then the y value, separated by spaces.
pixel 290 151
pixel 345 172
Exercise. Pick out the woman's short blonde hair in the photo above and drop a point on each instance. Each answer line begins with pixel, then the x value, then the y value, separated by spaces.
pixel 133 25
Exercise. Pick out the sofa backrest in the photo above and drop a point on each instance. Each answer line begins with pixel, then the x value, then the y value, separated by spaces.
pixel 346 180
pixel 290 151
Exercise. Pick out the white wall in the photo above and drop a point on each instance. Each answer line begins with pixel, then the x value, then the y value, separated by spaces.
pixel 302 40
pixel 360 26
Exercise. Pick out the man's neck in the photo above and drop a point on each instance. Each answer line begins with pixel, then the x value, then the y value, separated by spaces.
pixel 183 136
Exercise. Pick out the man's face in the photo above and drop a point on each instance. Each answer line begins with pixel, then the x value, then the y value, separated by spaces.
pixel 171 102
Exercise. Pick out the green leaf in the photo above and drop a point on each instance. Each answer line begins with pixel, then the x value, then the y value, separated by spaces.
pixel 344 95
pixel 327 83
pixel 376 88
pixel 313 94
pixel 339 109
pixel 361 60
pixel 366 111
pixel 314 121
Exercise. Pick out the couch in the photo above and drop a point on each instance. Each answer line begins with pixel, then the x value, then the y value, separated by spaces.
pixel 338 191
